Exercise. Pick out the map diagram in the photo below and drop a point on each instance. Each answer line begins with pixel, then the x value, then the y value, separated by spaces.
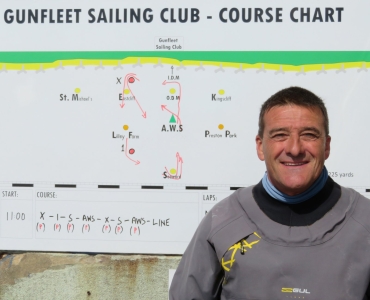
pixel 108 155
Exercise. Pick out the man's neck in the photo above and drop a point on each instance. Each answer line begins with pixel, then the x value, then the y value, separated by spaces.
pixel 301 214
pixel 308 194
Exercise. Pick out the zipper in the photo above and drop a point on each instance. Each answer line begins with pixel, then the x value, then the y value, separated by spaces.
pixel 242 249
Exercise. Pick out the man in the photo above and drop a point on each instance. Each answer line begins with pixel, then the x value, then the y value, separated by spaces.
pixel 296 234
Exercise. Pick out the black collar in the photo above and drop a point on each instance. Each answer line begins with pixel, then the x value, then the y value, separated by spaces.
pixel 301 214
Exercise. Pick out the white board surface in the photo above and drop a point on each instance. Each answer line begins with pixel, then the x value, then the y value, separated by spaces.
pixel 119 137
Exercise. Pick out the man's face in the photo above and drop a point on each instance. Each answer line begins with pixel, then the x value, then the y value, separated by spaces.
pixel 294 147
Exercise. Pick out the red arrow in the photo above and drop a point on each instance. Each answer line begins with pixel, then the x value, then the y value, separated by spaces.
pixel 135 161
pixel 144 112
pixel 126 83
pixel 124 87
pixel 179 160
pixel 178 103
pixel 181 170
pixel 164 107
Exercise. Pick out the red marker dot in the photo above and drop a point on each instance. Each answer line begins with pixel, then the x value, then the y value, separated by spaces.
pixel 131 151
pixel 131 80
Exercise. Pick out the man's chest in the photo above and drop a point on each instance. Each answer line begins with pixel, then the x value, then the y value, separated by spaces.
pixel 260 270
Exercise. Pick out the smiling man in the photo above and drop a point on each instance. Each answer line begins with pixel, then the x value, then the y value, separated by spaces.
pixel 294 144
pixel 296 234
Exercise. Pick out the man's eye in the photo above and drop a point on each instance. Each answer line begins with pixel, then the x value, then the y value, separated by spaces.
pixel 310 136
pixel 279 136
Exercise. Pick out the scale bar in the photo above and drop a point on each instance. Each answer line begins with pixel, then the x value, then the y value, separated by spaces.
pixel 101 186
pixel 65 185
pixel 22 185
pixel 196 187
pixel 234 188
pixel 152 187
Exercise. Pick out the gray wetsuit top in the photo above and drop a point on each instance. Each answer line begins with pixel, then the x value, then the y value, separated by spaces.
pixel 239 253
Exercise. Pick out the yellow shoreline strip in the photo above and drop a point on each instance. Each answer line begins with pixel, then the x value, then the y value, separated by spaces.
pixel 170 61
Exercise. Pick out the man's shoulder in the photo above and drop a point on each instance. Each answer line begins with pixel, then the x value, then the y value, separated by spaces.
pixel 361 206
pixel 231 208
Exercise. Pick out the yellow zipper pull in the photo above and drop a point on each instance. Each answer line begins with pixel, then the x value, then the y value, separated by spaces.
pixel 242 249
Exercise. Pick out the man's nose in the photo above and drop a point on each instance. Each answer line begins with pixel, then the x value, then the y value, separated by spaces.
pixel 294 146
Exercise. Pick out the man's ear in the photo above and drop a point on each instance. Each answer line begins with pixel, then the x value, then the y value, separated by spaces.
pixel 259 148
pixel 327 146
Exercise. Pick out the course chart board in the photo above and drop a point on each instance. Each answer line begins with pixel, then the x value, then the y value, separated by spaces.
pixel 123 122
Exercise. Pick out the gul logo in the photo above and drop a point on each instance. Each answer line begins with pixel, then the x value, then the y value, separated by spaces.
pixel 295 290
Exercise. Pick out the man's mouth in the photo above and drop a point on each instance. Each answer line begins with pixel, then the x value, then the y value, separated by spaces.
pixel 294 164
